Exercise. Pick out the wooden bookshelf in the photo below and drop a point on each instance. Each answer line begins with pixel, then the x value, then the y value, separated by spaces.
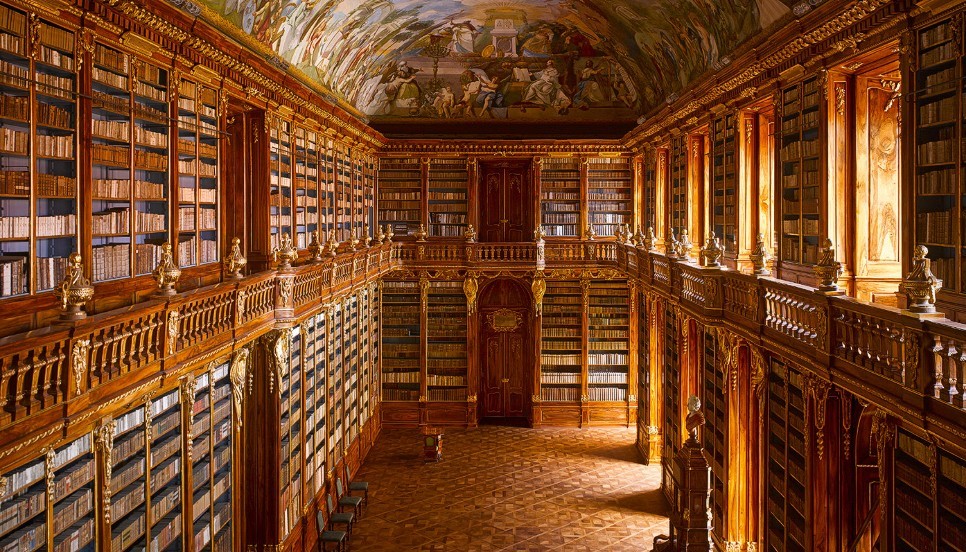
pixel 212 435
pixel 724 180
pixel 306 186
pixel 610 193
pixel 400 194
pixel 448 197
pixel 608 341
pixel 786 504
pixel 314 339
pixel 649 196
pixel 327 187
pixel 370 183
pixel 561 349
pixel 560 196
pixel 671 384
pixel 369 338
pixel 714 434
pixel 940 195
pixel 952 502
pixel 291 433
pixel 801 170
pixel 335 381
pixel 401 362
pixel 351 368
pixel 280 178
pixel 343 192
pixel 915 507
pixel 678 189
pixel 446 342
pixel 198 174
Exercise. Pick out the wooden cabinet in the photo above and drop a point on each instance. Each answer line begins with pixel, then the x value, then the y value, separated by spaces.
pixel 505 201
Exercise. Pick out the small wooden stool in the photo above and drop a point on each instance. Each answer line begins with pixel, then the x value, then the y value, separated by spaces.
pixel 432 444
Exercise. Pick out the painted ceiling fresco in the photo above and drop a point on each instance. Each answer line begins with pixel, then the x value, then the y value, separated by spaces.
pixel 525 60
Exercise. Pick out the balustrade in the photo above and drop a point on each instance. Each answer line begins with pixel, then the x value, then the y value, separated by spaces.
pixel 741 294
pixel 205 315
pixel 795 312
pixel 874 338
pixel 948 348
pixel 33 377
pixel 692 285
pixel 121 345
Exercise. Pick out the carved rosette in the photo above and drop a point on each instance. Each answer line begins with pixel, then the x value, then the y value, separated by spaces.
pixel 78 359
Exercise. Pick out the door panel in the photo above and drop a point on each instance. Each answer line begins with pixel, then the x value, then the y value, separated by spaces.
pixel 506 200
pixel 516 384
pixel 492 376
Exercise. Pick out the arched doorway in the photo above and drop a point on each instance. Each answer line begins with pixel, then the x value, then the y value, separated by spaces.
pixel 506 359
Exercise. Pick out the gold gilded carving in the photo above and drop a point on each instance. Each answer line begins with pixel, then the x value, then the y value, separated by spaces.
pixel 174 318
pixel 240 307
pixel 166 274
pixel 840 98
pixel 280 349
pixel 819 389
pixel 504 320
pixel 286 287
pixel 188 387
pixel 238 374
pixel 104 442
pixel 75 291
pixel 78 360
pixel 539 288
pixel 470 288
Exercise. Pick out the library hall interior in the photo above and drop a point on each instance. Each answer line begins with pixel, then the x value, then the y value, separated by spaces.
pixel 483 275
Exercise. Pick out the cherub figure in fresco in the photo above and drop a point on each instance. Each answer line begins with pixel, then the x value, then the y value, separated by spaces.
pixel 546 90
pixel 445 101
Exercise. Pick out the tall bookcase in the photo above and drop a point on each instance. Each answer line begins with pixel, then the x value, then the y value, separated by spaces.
pixel 400 194
pixel 198 166
pixel 38 186
pixel 724 180
pixel 327 190
pixel 290 435
pixel 671 385
pixel 211 483
pixel 280 178
pixel 678 188
pixel 448 197
pixel 351 368
pixel 314 337
pixel 334 384
pixel 952 501
pixel 446 341
pixel 609 193
pixel 560 196
pixel 400 340
pixel 786 468
pixel 939 115
pixel 801 171
pixel 561 349
pixel 306 186
pixel 370 184
pixel 343 192
pixel 715 431
pixel 914 494
pixel 608 347
pixel 649 196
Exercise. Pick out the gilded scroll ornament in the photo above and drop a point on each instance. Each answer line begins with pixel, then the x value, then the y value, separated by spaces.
pixel 280 349
pixel 539 288
pixel 470 289
pixel 238 374
pixel 78 361
pixel 286 288
pixel 104 441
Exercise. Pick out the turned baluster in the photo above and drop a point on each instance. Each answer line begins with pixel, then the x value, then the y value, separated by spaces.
pixel 952 355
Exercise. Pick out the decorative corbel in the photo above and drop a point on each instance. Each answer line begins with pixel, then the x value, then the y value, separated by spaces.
pixel 238 373
pixel 539 288
pixel 470 288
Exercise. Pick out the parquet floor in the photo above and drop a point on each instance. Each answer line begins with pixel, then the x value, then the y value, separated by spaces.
pixel 509 488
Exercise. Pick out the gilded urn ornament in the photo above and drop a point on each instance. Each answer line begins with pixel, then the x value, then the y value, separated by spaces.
pixel 759 256
pixel 75 291
pixel 828 269
pixel 469 234
pixel 921 285
pixel 421 233
pixel 235 262
pixel 166 274
pixel 711 252
pixel 332 245
pixel 285 253
pixel 685 246
pixel 315 247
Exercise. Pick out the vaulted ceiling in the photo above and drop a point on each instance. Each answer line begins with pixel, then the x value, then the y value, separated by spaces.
pixel 420 64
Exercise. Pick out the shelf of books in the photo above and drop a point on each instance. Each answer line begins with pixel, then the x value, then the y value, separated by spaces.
pixel 306 186
pixel 940 194
pixel 715 430
pixel 37 179
pixel 280 179
pixel 370 184
pixel 327 187
pixel 671 386
pixel 610 194
pixel 129 164
pixel 48 503
pixel 448 197
pixel 358 195
pixel 643 364
pixel 211 448
pixel 400 341
pixel 350 389
pixel 400 194
pixel 608 347
pixel 914 493
pixel 197 174
pixel 127 484
pixel 786 491
pixel 343 193
pixel 649 196
pixel 446 354
pixel 290 432
pixel 365 355
pixel 561 342
pixel 314 337
pixel 724 180
pixel 334 384
pixel 952 502
pixel 679 185
pixel 801 172
pixel 560 196
pixel 165 473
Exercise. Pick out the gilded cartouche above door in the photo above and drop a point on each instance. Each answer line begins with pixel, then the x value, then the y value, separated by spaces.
pixel 505 204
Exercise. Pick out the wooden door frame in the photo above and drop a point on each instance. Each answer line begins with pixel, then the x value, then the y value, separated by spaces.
pixel 528 328
pixel 534 185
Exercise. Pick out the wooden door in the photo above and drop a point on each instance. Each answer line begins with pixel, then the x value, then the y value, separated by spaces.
pixel 505 201
pixel 507 364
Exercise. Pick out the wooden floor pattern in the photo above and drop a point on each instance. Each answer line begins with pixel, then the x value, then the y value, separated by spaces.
pixel 509 488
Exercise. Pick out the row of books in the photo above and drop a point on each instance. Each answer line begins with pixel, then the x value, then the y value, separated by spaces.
pixel 560 378
pixel 451 394
pixel 560 360
pixel 793 250
pixel 607 394
pixel 943 53
pixel 121 189
pixel 191 147
pixel 560 231
pixel 109 78
pixel 942 181
pixel 202 195
pixel 445 381
pixel 942 110
pixel 605 378
pixel 597 195
pixel 808 226
pixel 14 141
pixel 596 358
pixel 560 394
pixel 800 148
pixel 935 227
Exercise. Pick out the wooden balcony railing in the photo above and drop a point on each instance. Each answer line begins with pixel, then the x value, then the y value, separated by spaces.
pixel 795 311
